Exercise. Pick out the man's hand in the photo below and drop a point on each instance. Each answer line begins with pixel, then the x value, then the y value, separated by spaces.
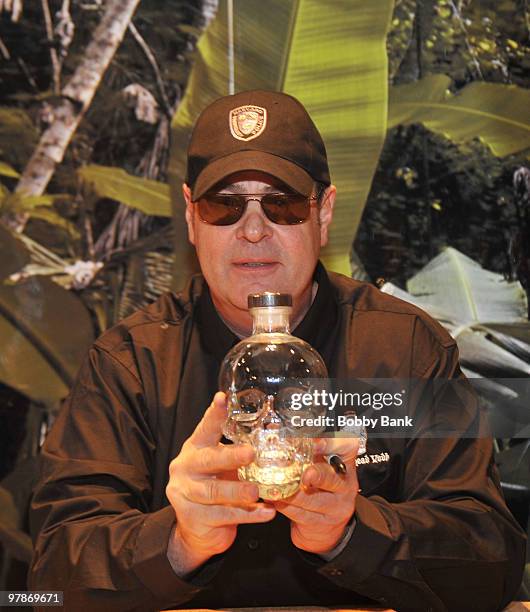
pixel 209 504
pixel 320 510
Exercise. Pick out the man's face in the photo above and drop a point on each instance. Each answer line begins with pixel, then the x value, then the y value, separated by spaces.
pixel 255 254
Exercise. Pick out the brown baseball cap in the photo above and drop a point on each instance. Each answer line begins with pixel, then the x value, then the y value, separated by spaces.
pixel 260 130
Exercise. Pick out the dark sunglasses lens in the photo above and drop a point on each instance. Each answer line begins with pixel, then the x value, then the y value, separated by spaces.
pixel 221 209
pixel 286 209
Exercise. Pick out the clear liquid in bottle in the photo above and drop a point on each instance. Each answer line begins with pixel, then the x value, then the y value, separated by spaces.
pixel 260 375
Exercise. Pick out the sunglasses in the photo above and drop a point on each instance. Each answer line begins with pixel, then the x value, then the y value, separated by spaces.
pixel 280 208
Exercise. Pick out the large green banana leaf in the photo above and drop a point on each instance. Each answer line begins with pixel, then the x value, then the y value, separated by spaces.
pixel 44 334
pixel 13 254
pixel 485 313
pixel 486 316
pixel 497 114
pixel 459 286
pixel 151 197
pixel 329 54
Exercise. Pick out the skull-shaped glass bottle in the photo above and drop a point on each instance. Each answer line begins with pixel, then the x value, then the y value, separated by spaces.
pixel 261 377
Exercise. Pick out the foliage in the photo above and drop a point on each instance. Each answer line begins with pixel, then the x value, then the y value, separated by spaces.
pixel 44 333
pixel 429 192
pixel 13 255
pixel 111 134
pixel 18 137
pixel 7 170
pixel 480 40
pixel 151 197
pixel 452 36
pixel 44 329
pixel 485 314
pixel 399 38
pixel 468 294
pixel 486 40
pixel 479 308
pixel 497 114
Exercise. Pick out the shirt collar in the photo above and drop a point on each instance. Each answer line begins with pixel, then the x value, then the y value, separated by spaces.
pixel 318 327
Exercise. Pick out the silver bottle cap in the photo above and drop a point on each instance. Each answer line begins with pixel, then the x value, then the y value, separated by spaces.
pixel 268 298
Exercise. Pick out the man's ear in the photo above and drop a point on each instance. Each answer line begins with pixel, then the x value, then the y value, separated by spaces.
pixel 190 217
pixel 325 213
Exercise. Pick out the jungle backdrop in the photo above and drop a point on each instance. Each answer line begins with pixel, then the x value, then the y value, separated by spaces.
pixel 424 106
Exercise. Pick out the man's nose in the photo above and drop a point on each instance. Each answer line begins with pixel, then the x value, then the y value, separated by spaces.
pixel 254 225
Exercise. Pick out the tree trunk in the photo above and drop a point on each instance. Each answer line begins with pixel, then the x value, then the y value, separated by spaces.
pixel 77 96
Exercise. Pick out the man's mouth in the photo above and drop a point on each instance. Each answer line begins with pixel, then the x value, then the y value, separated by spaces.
pixel 254 265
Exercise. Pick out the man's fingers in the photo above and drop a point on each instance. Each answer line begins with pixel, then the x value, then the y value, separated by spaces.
pixel 219 516
pixel 322 476
pixel 302 505
pixel 211 491
pixel 346 448
pixel 295 513
pixel 222 458
pixel 210 429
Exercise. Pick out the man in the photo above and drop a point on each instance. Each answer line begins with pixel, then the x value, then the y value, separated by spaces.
pixel 422 528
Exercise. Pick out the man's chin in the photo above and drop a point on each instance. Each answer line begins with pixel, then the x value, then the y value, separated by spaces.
pixel 247 281
pixel 244 290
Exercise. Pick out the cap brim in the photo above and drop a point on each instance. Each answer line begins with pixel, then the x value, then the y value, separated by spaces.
pixel 278 167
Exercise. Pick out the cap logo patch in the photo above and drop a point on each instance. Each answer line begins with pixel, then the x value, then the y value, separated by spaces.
pixel 247 122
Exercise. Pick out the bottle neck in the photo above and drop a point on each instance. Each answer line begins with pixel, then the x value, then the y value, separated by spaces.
pixel 271 319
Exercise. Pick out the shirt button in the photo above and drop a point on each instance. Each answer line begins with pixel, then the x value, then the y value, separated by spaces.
pixel 335 571
pixel 253 544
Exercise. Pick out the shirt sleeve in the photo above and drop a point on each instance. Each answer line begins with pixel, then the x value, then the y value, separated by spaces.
pixel 334 552
pixel 95 538
pixel 449 541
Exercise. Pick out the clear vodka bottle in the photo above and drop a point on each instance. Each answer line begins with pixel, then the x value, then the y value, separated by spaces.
pixel 263 377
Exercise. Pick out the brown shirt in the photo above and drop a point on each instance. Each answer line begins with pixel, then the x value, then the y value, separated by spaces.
pixel 432 532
